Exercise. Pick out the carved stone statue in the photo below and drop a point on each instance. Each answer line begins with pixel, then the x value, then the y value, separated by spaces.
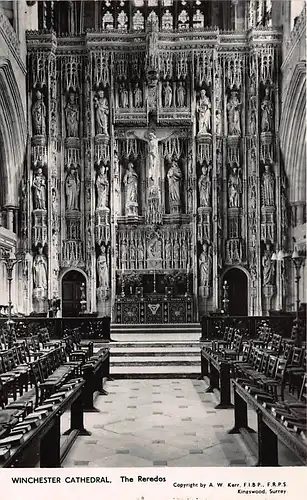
pixel 205 266
pixel 153 150
pixel 253 122
pixel 181 95
pixel 152 41
pixel 268 267
pixel 218 122
pixel 72 189
pixel 204 113
pixel 124 97
pixel 267 183
pixel 168 95
pixel 130 182
pixel 72 116
pixel 116 165
pixel 39 115
pixel 174 177
pixel 102 269
pixel 102 186
pixel 102 111
pixel 40 269
pixel 266 112
pixel 138 96
pixel 234 188
pixel 233 108
pixel 39 190
pixel 204 185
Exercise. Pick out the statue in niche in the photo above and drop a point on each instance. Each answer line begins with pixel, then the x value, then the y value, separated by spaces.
pixel 140 254
pixel 102 269
pixel 72 189
pixel 116 165
pixel 204 185
pixel 253 196
pixel 267 184
pixel 102 111
pixel 138 96
pixel 253 122
pixel 168 95
pixel 152 40
pixel 218 122
pixel 205 264
pixel 72 116
pixel 234 188
pixel 39 190
pixel 204 113
pixel 253 160
pixel 174 177
pixel 102 186
pixel 124 97
pixel 181 95
pixel 268 266
pixel 190 164
pixel 39 115
pixel 153 149
pixel 154 249
pixel 266 112
pixel 40 269
pixel 233 108
pixel 130 182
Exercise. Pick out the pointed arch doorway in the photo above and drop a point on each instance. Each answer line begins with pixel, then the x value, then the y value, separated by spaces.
pixel 237 292
pixel 72 283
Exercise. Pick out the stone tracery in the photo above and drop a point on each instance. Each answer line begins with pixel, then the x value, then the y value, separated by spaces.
pixel 160 143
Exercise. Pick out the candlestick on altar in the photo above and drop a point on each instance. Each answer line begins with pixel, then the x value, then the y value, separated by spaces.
pixel 154 282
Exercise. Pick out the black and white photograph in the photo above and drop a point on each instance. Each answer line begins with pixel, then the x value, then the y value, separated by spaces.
pixel 153 277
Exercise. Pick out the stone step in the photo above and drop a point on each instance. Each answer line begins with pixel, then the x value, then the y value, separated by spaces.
pixel 156 326
pixel 153 351
pixel 155 337
pixel 155 361
pixel 155 372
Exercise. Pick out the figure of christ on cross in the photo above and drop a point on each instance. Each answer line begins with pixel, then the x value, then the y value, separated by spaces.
pixel 153 139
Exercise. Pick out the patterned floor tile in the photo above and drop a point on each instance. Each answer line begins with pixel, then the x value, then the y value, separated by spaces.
pixel 186 432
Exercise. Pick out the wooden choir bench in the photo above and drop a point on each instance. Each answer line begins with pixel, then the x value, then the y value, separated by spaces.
pixel 216 365
pixel 271 427
pixel 40 430
pixel 40 380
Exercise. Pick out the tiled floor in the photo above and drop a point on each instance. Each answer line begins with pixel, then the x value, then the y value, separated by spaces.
pixel 158 423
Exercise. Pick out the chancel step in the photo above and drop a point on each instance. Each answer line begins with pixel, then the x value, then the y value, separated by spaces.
pixel 155 351
pixel 188 332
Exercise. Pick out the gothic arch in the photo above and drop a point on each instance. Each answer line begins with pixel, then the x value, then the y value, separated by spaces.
pixel 77 269
pixel 293 134
pixel 235 266
pixel 13 135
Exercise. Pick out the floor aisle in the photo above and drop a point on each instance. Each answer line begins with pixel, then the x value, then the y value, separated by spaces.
pixel 145 423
